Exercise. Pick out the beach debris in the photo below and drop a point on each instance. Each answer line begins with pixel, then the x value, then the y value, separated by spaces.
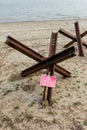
pixel 76 38
pixel 48 63
pixel 32 54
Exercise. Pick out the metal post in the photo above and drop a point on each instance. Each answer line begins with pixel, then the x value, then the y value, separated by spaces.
pixel 52 51
pixel 81 53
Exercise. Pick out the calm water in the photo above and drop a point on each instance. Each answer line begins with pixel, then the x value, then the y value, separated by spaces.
pixel 39 10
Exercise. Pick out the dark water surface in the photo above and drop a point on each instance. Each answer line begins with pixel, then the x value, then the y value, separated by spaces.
pixel 40 10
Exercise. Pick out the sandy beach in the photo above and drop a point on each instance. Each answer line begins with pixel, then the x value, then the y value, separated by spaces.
pixel 20 98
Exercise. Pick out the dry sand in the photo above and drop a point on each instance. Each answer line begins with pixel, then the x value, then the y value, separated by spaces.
pixel 20 107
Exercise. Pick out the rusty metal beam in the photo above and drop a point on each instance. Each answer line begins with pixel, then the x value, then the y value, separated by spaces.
pixel 71 36
pixel 62 71
pixel 73 41
pixel 47 95
pixel 52 51
pixel 23 49
pixel 70 52
pixel 81 53
pixel 31 53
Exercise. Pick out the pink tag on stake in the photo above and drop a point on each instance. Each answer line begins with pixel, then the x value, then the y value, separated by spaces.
pixel 48 81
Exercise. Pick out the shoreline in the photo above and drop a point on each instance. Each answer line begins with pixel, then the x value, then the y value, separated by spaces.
pixel 55 20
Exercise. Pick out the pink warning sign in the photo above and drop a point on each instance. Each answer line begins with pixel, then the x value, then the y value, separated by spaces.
pixel 48 81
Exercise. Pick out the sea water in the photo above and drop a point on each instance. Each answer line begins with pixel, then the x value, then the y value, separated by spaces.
pixel 41 10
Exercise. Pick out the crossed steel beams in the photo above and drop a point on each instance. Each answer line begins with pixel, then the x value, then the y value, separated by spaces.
pixel 51 60
pixel 48 63
pixel 76 38
pixel 34 55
